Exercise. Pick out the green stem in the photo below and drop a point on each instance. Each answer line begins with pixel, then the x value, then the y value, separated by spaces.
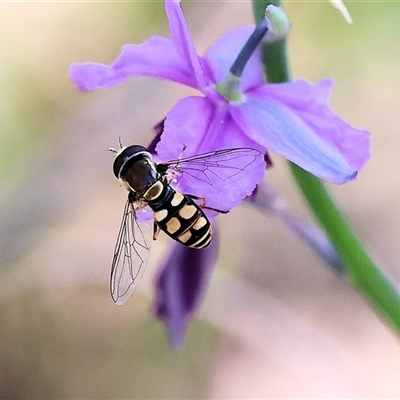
pixel 363 272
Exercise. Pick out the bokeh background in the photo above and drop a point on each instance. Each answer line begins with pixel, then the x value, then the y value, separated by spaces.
pixel 276 322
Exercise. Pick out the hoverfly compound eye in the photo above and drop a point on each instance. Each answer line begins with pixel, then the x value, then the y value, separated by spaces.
pixel 125 155
pixel 117 164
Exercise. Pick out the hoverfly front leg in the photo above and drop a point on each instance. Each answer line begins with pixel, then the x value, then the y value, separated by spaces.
pixel 139 205
pixel 171 175
pixel 203 203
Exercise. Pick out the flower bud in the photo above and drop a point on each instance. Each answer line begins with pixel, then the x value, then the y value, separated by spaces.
pixel 278 24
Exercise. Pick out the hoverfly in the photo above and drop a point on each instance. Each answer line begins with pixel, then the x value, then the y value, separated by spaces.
pixel 177 214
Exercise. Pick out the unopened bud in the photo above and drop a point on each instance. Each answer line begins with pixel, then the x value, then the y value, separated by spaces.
pixel 278 23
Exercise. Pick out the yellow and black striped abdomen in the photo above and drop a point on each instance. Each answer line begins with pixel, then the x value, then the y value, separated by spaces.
pixel 181 218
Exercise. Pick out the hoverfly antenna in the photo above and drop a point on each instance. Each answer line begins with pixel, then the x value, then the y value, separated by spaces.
pixel 121 146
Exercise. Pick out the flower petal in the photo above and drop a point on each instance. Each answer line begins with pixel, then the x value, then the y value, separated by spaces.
pixel 282 130
pixel 183 42
pixel 224 51
pixel 270 202
pixel 201 126
pixel 309 102
pixel 181 285
pixel 156 57
pixel 157 130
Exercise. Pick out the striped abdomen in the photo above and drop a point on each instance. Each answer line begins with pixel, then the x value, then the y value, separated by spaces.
pixel 179 216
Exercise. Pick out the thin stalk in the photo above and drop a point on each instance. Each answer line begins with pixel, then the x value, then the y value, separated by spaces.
pixel 362 271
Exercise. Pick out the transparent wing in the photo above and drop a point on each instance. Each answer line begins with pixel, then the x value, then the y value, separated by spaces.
pixel 130 255
pixel 216 168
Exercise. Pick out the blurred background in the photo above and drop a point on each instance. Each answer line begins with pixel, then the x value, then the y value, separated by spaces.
pixel 276 322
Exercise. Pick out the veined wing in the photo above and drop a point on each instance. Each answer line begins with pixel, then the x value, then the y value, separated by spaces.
pixel 130 255
pixel 216 168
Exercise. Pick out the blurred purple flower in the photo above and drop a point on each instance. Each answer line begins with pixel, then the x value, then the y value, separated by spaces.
pixel 181 285
pixel 291 119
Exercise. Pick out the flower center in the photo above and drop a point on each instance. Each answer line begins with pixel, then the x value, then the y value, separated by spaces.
pixel 229 87
pixel 277 23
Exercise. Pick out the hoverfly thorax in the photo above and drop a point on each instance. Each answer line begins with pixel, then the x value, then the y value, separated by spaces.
pixel 135 168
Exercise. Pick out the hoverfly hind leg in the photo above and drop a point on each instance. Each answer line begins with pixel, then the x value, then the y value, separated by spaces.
pixel 215 209
pixel 203 203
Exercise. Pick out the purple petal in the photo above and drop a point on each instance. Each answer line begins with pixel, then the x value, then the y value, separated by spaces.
pixel 201 126
pixel 181 285
pixel 309 102
pixel 158 130
pixel 156 57
pixel 183 42
pixel 223 52
pixel 268 200
pixel 282 130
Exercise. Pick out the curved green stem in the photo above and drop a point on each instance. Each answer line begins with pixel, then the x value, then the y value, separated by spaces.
pixel 363 272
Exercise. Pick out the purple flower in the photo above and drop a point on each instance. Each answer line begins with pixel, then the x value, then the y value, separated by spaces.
pixel 291 119
pixel 181 285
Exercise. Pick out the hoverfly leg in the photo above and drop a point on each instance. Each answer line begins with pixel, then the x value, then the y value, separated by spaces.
pixel 214 209
pixel 172 174
pixel 203 203
pixel 182 151
pixel 132 199
pixel 202 200
pixel 156 231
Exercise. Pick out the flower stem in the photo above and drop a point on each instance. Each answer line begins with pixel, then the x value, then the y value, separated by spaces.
pixel 363 272
pixel 273 54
